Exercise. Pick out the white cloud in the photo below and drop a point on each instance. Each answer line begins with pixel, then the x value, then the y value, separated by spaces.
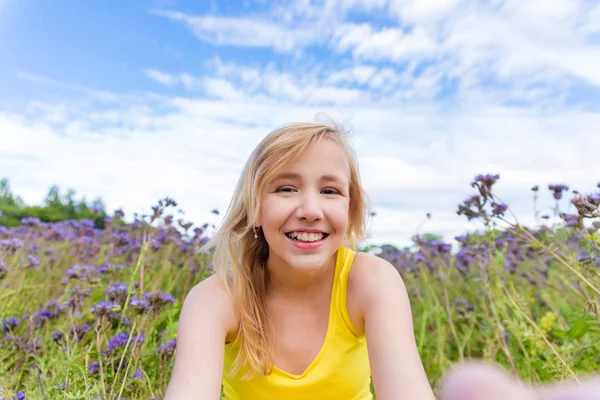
pixel 188 81
pixel 413 159
pixel 162 77
pixel 593 20
pixel 331 10
pixel 424 11
pixel 221 88
pixel 418 147
pixel 479 41
pixel 249 31
pixel 360 74
pixel 184 79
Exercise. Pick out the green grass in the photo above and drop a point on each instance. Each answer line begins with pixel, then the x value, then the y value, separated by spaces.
pixel 541 326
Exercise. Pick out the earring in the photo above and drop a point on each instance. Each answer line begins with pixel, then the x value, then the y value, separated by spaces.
pixel 255 230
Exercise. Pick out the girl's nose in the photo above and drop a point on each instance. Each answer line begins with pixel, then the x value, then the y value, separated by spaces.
pixel 309 208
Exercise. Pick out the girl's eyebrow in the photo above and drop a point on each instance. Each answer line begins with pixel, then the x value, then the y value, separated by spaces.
pixel 295 176
pixel 286 175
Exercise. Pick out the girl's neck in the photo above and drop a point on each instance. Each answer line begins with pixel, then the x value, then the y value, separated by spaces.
pixel 290 282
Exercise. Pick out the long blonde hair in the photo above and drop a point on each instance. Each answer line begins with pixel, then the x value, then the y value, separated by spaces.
pixel 241 258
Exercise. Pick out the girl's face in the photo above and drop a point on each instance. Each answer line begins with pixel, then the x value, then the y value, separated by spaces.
pixel 304 212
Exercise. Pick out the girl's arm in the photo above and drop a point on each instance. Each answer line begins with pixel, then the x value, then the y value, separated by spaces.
pixel 206 318
pixel 396 366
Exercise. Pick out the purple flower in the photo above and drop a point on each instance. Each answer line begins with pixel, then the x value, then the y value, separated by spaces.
pixel 487 179
pixel 462 306
pixel 120 340
pixel 57 336
pixel 78 331
pixel 572 220
pixel 33 345
pixel 106 309
pixel 104 268
pixel 510 265
pixel 439 248
pixel 460 238
pixel 485 183
pixel 30 261
pixel 52 310
pixel 79 271
pixel 464 257
pixel 122 240
pixel 31 221
pixel 139 305
pixel 594 198
pixel 498 209
pixel 77 298
pixel 8 323
pixel 558 190
pixel 137 374
pixel 19 395
pixel 500 243
pixel 117 292
pixel 166 350
pixel 156 301
pixel 10 246
pixel 471 207
pixel 94 368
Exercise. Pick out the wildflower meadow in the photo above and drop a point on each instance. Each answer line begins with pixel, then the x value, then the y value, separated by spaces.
pixel 91 312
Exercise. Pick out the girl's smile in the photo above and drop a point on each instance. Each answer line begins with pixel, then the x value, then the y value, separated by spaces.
pixel 307 239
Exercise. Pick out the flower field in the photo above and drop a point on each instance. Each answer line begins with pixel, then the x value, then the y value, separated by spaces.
pixel 92 313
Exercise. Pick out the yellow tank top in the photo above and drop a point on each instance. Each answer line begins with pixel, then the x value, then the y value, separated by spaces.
pixel 340 370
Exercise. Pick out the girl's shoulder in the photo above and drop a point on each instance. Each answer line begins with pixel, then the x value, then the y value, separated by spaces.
pixel 367 275
pixel 211 296
pixel 207 316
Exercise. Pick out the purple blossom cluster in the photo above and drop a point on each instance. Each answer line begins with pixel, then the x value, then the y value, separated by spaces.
pixel 166 350
pixel 103 299
pixel 515 254
pixel 117 293
pixel 558 190
pixel 119 341
pixel 98 297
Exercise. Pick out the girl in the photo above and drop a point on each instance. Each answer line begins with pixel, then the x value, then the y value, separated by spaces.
pixel 293 311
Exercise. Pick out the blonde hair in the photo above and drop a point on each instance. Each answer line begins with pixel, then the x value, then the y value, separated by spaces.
pixel 241 258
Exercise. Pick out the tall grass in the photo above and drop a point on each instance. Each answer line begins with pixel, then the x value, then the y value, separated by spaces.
pixel 90 313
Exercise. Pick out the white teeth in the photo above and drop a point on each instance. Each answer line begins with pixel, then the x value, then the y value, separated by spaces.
pixel 306 237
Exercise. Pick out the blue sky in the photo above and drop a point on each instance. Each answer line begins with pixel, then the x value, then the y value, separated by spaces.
pixel 99 44
pixel 133 101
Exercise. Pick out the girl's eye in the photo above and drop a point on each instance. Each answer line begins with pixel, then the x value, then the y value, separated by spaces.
pixel 289 189
pixel 286 189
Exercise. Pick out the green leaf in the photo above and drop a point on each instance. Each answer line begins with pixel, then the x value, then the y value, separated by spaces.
pixel 578 328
